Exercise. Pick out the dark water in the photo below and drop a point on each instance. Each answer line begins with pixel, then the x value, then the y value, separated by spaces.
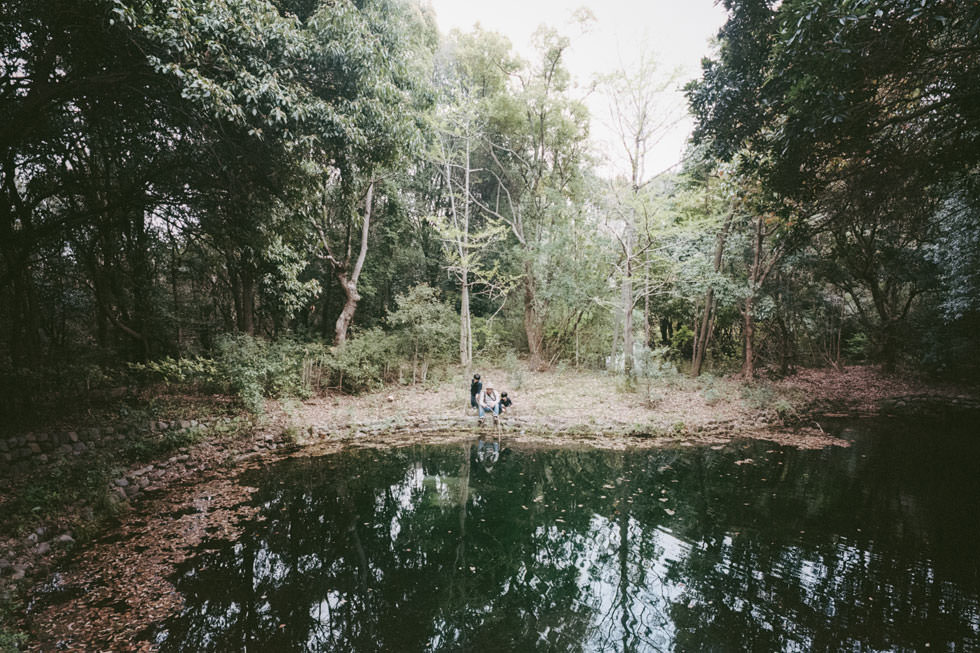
pixel 868 548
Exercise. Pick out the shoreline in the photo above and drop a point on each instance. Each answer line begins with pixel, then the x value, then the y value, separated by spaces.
pixel 127 565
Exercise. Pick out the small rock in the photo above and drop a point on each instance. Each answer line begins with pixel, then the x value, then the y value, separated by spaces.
pixel 122 482
pixel 79 447
pixel 32 539
pixel 43 548
pixel 65 539
pixel 72 436
pixel 131 490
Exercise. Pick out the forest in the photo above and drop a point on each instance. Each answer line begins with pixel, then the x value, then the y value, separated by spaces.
pixel 281 197
pixel 253 251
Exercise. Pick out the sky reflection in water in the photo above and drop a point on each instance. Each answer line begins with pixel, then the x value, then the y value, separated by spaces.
pixel 750 547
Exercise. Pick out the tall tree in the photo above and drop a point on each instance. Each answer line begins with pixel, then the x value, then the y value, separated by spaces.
pixel 537 145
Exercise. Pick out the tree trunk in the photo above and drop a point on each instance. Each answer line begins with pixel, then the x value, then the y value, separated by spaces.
pixel 351 297
pixel 756 278
pixel 703 336
pixel 748 331
pixel 628 321
pixel 349 284
pixel 246 302
pixel 532 320
pixel 465 328
pixel 647 333
pixel 465 332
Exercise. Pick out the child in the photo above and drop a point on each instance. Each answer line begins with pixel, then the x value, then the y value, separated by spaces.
pixel 505 402
pixel 475 387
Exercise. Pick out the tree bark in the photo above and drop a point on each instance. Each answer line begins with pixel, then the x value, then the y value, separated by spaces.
pixel 349 283
pixel 533 327
pixel 703 336
pixel 628 320
pixel 748 331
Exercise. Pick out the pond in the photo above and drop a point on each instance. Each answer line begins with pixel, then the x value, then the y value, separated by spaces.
pixel 751 546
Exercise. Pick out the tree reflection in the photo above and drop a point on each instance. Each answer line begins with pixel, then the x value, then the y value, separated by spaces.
pixel 431 549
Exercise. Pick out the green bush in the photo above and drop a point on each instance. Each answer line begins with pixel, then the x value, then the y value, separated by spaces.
pixel 857 347
pixel 426 330
pixel 249 368
pixel 361 363
pixel 682 344
pixel 196 373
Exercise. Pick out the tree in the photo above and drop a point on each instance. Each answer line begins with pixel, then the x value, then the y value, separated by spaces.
pixel 536 147
pixel 469 79
pixel 642 115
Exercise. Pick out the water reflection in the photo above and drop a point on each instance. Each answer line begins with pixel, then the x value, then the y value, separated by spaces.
pixel 753 547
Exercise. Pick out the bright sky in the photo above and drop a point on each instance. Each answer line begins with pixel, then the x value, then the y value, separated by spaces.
pixel 676 32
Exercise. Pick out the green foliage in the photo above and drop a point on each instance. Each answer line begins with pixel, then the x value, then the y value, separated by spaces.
pixel 11 640
pixel 424 326
pixel 361 363
pixel 857 346
pixel 197 373
pixel 682 343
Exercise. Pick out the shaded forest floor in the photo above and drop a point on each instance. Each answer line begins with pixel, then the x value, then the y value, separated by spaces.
pixel 106 590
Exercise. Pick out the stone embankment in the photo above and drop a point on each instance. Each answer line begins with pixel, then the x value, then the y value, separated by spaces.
pixel 46 446
pixel 31 555
pixel 930 405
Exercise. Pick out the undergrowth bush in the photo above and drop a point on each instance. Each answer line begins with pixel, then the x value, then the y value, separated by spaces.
pixel 365 361
pixel 252 369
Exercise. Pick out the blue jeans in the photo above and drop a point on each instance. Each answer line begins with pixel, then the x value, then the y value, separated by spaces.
pixel 483 411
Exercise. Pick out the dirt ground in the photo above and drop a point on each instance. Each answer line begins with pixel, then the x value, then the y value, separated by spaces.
pixel 107 595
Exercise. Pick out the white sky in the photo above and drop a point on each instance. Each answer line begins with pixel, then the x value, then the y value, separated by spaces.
pixel 676 32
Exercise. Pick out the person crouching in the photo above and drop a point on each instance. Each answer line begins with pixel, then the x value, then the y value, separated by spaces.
pixel 488 402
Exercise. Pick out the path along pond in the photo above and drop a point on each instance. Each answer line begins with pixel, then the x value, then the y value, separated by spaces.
pixel 746 547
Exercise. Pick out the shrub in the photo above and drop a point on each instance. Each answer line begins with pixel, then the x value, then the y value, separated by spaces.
pixel 361 363
pixel 857 347
pixel 426 329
